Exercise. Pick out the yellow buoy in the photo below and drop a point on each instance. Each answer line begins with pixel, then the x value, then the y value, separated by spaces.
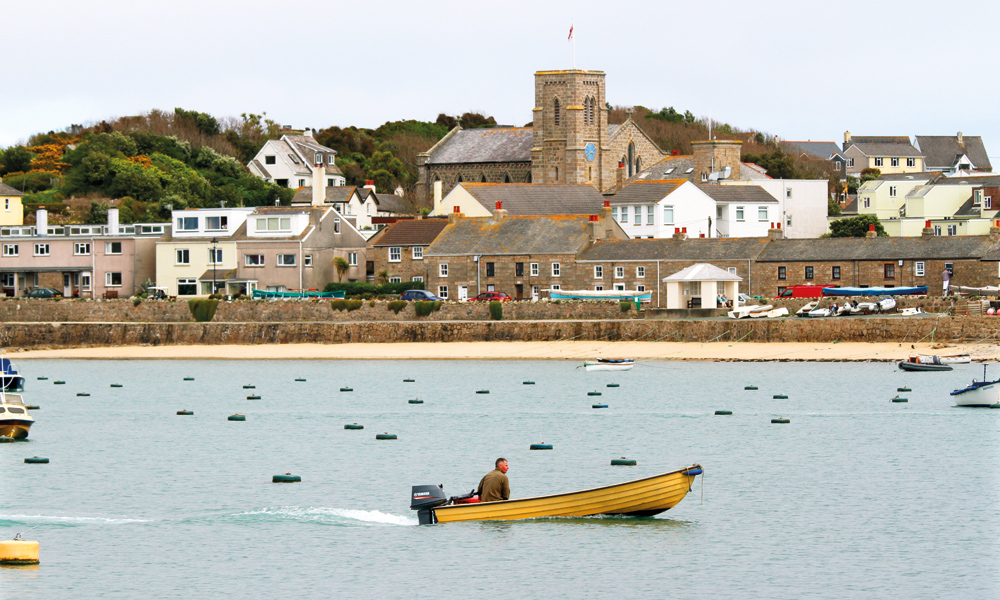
pixel 18 552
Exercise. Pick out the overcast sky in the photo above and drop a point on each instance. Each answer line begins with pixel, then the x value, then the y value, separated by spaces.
pixel 801 70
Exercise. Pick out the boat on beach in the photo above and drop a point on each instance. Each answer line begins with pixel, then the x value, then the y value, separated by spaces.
pixel 609 364
pixel 620 295
pixel 15 420
pixel 639 498
pixel 949 359
pixel 979 393
pixel 924 363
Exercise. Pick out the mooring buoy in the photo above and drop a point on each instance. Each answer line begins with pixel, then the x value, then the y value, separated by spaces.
pixel 18 552
pixel 540 447
pixel 385 436
pixel 286 478
pixel 623 462
pixel 36 460
pixel 353 426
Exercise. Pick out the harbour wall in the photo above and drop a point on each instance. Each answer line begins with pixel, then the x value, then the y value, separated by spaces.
pixel 43 335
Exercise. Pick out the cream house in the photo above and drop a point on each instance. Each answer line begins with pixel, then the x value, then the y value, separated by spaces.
pixel 200 251
pixel 10 206
pixel 888 154
pixel 885 197
pixel 949 206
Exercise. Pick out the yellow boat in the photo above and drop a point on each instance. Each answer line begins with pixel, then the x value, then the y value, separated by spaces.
pixel 639 498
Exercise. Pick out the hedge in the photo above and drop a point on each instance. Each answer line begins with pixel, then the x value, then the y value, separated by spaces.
pixel 203 309
pixel 397 305
pixel 424 308
pixel 496 310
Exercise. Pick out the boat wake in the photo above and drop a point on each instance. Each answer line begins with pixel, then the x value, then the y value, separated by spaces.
pixel 346 517
pixel 68 521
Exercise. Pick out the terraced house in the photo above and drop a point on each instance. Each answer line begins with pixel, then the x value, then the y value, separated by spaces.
pixel 398 251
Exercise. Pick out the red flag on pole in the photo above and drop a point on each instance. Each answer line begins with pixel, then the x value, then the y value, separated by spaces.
pixel 570 33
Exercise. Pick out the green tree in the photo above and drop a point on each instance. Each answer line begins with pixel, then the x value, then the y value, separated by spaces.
pixel 778 164
pixel 16 159
pixel 342 266
pixel 204 122
pixel 870 174
pixel 856 226
pixel 385 170
pixel 832 207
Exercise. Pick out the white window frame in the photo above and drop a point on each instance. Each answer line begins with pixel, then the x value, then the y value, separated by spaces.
pixel 637 215
pixel 307 260
pixel 443 291
pixel 253 260
pixel 866 202
pixel 395 254
pixel 640 272
pixel 223 223
pixel 624 215
pixel 650 214
pixel 273 224
pixel 598 271
pixel 556 269
pixel 81 248
pixel 937 230
pixel 892 191
pixel 419 278
pixel 788 192
pixel 442 271
pixel 395 279
pixel 352 259
pixel 731 270
pixel 878 161
pixel 215 256
pixel 988 202
pixel 740 214
pixel 533 269
pixel 911 162
pixel 109 248
pixel 283 260
pixel 918 268
pixel 614 213
pixel 41 250
pixel 762 213
pixel 894 162
pixel 850 162
pixel 187 281
pixel 182 256
pixel 417 253
pixel 619 272
pixel 10 250
pixel 183 222
pixel 668 214
pixel 953 229
pixel 109 278
pixel 85 282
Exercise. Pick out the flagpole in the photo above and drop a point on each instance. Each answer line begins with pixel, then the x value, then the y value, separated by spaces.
pixel 574 47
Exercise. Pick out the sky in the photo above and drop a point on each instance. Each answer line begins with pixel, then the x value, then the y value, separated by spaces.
pixel 799 70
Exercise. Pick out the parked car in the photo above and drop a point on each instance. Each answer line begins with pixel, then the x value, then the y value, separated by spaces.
pixel 490 296
pixel 411 295
pixel 44 293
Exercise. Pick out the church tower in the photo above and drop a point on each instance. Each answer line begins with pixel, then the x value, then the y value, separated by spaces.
pixel 570 128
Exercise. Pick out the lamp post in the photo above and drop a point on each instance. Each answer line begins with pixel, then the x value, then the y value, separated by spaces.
pixel 215 262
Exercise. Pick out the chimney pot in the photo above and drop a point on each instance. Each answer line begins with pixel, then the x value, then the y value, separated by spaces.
pixel 370 182
pixel 871 227
pixel 779 225
pixel 621 165
pixel 675 152
pixel 677 229
pixel 927 223
pixel 684 230
pixel 701 235
pixel 607 204
pixel 455 210
pixel 594 218
pixel 499 204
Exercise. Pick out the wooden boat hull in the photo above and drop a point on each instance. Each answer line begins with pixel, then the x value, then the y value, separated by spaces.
pixel 14 428
pixel 639 498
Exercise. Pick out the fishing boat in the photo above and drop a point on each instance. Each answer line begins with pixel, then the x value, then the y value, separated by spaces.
pixel 290 295
pixel 980 393
pixel 15 420
pixel 620 295
pixel 610 364
pixel 10 376
pixel 805 310
pixel 920 290
pixel 924 363
pixel 640 498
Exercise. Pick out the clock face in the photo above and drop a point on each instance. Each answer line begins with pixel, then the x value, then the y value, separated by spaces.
pixel 590 151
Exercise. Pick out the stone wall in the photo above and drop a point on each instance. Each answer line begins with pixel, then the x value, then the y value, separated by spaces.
pixel 448 175
pixel 406 268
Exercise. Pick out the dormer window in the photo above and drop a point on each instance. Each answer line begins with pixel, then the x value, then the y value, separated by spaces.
pixel 331 159
pixel 273 224
pixel 187 224
pixel 216 223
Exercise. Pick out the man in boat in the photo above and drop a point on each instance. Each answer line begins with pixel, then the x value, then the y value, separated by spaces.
pixel 494 485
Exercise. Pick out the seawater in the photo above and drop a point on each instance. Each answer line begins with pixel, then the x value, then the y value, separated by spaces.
pixel 856 497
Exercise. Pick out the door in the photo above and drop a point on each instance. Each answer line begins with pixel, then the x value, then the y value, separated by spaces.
pixel 67 285
pixel 463 293
pixel 519 289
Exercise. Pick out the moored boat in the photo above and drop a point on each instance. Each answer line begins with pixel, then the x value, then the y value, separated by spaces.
pixel 10 376
pixel 609 364
pixel 640 498
pixel 979 393
pixel 15 420
pixel 621 295
pixel 805 310
pixel 953 359
pixel 924 363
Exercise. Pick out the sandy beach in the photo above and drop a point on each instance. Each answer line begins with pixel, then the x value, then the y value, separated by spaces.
pixel 568 350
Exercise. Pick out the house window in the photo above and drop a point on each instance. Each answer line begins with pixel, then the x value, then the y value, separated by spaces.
pixel 618 287
pixel 893 162
pixel 443 291
pixel 911 162
pixel 649 214
pixel 668 215
pixel 788 192
pixel 270 224
pixel 555 269
pixel 41 249
pixel 937 230
pixel 866 202
pixel 809 272
pixel 640 272
pixel 418 253
pixel 598 272
pixel 731 270
pixel 555 286
pixel 269 160
pixel 918 268
pixel 598 288
pixel 112 279
pixel 215 256
pixel 443 271
pixel 395 254
pixel 519 269
pixel 216 223
pixel 187 287
pixel 6 204
pixel 490 287
pixel 286 260
pixel 336 224
pixel 307 260
pixel 254 260
pixel 739 213
pixel 491 269
pixel 187 223
pixel 762 213
pixel 624 214
pixel 638 216
pixel 352 259
pixel 10 249
pixel 889 270
pixel 614 213
pixel 81 249
pixel 878 161
pixel 419 278
pixel 640 288
pixel 395 280
pixel 988 202
pixel 533 269
pixel 892 191
pixel 7 280
pixel 85 282
pixel 329 182
pixel 302 183
pixel 619 272
pixel 953 230
pixel 835 273
pixel 850 162
pixel 782 274
pixel 330 159
pixel 182 256
pixel 112 247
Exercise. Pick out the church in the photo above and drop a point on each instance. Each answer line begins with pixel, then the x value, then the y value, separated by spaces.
pixel 569 142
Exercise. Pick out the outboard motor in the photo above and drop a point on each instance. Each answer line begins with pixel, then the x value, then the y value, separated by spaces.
pixel 424 498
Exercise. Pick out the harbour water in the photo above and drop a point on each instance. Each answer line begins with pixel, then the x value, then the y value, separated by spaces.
pixel 855 497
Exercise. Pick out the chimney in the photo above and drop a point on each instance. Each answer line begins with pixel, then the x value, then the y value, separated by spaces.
pixel 370 184
pixel 959 137
pixel 675 152
pixel 42 222
pixel 680 235
pixel 620 176
pixel 871 232
pixel 499 214
pixel 606 213
pixel 455 215
pixel 319 181
pixel 112 221
pixel 928 231
pixel 437 198
pixel 847 139
pixel 775 232
pixel 701 235
pixel 715 155
pixel 308 132
pixel 593 227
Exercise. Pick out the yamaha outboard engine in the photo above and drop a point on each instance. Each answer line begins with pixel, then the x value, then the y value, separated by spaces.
pixel 424 498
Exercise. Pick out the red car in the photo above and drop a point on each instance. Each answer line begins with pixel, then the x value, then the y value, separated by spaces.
pixel 489 296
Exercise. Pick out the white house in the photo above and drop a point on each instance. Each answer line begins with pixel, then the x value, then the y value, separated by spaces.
pixel 200 246
pixel 290 161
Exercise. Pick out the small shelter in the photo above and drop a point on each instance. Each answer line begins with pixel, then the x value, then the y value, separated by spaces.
pixel 700 285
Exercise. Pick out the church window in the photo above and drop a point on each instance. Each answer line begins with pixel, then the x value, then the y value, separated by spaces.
pixel 557 174
pixel 437 177
pixel 528 178
pixel 631 159
pixel 590 173
pixel 482 178
pixel 506 177
pixel 638 164
pixel 591 109
pixel 459 180
pixel 555 113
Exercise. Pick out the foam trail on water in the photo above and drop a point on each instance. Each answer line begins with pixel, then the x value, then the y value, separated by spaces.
pixel 332 516
pixel 68 520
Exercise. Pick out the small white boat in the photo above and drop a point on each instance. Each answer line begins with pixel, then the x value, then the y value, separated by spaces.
pixel 805 310
pixel 777 312
pixel 886 304
pixel 15 420
pixel 820 312
pixel 912 311
pixel 743 312
pixel 760 311
pixel 980 393
pixel 950 359
pixel 610 364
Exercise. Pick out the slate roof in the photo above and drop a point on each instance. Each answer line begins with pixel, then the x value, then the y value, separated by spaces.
pixel 851 208
pixel 6 190
pixel 412 232
pixel 674 167
pixel 699 249
pixel 753 194
pixel 823 150
pixel 646 191
pixel 942 150
pixel 491 145
pixel 537 198
pixel 893 146
pixel 966 210
pixel 385 201
pixel 287 152
pixel 307 147
pixel 880 248
pixel 334 194
pixel 703 272
pixel 553 234
pixel 984 181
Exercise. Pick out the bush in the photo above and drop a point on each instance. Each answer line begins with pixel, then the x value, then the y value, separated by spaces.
pixel 368 290
pixel 203 309
pixel 371 303
pixel 136 301
pixel 626 306
pixel 496 310
pixel 338 304
pixel 354 304
pixel 397 305
pixel 424 308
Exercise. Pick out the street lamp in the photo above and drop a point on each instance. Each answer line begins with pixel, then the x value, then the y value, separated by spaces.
pixel 215 262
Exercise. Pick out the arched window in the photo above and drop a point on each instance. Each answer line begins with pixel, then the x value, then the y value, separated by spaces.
pixel 555 112
pixel 459 180
pixel 557 175
pixel 631 159
pixel 638 164
pixel 589 118
pixel 482 178
pixel 506 177
pixel 437 177
pixel 528 178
